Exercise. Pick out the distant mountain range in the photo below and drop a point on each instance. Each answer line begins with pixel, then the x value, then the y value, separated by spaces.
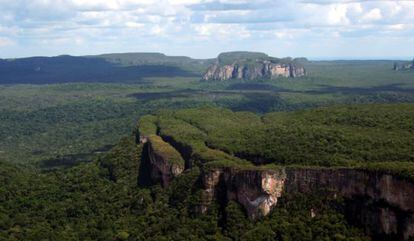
pixel 135 67
pixel 128 67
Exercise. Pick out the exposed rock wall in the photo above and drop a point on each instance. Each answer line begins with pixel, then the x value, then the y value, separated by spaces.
pixel 404 66
pixel 391 200
pixel 258 70
pixel 256 191
pixel 162 170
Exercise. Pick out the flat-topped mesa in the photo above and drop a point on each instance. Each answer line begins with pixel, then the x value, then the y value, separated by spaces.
pixel 251 66
pixel 164 162
pixel 404 65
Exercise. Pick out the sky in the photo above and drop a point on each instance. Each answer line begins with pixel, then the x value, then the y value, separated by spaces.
pixel 317 29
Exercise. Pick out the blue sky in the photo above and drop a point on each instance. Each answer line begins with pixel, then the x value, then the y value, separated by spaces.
pixel 315 29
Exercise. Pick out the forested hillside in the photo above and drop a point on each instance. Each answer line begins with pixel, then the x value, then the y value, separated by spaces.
pixel 102 200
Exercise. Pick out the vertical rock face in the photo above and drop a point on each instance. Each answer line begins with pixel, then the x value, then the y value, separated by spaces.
pixel 389 208
pixel 165 162
pixel 391 200
pixel 404 65
pixel 210 181
pixel 350 183
pixel 259 69
pixel 256 191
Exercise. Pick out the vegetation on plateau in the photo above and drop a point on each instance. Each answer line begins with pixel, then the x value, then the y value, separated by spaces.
pixel 360 136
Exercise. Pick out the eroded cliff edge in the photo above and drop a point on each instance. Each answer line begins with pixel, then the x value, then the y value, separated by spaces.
pixel 160 161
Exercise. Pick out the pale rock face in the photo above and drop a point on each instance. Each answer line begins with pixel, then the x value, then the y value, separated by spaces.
pixel 279 70
pixel 143 139
pixel 261 69
pixel 210 180
pixel 256 191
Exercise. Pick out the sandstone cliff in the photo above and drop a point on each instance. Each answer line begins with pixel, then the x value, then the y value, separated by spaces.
pixel 251 67
pixel 404 65
pixel 162 161
pixel 257 191
pixel 391 200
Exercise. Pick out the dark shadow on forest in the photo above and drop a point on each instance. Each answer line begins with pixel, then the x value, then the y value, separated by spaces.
pixel 67 69
pixel 147 96
pixel 323 89
pixel 71 160
pixel 359 90
pixel 256 86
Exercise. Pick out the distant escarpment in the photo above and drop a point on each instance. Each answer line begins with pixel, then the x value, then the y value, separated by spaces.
pixel 252 66
pixel 404 65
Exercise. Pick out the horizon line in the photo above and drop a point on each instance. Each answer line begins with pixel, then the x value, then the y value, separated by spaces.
pixel 312 58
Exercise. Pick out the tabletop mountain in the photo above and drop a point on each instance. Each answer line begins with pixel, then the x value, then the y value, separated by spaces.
pixel 252 66
pixel 404 65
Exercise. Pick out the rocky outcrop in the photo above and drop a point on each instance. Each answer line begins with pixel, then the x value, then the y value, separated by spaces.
pixel 163 162
pixel 390 211
pixel 404 65
pixel 256 191
pixel 390 200
pixel 259 69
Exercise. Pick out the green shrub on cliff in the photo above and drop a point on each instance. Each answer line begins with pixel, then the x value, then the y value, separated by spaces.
pixel 166 150
pixel 147 125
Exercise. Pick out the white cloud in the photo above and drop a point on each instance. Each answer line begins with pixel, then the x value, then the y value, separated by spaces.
pixel 337 15
pixel 372 15
pixel 163 23
pixel 222 31
pixel 5 42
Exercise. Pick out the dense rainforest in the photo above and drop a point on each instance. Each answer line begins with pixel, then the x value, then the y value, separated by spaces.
pixel 102 200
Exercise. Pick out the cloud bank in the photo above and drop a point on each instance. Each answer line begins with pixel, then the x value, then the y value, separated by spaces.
pixel 203 28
